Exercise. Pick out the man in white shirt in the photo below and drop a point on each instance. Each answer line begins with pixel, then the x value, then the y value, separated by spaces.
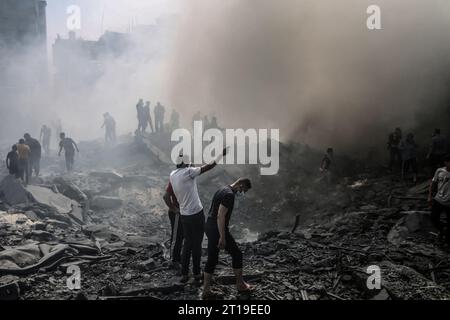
pixel 184 184
pixel 439 197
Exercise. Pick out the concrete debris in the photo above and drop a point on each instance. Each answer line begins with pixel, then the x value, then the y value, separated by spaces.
pixel 105 202
pixel 13 191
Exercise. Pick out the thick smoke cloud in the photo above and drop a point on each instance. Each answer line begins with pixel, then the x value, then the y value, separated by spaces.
pixel 313 69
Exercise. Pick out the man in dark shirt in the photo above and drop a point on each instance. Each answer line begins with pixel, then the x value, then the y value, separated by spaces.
pixel 176 238
pixel 395 155
pixel 69 147
pixel 12 162
pixel 219 236
pixel 35 155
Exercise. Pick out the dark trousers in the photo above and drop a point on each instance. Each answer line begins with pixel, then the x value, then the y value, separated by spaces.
pixel 436 211
pixel 23 170
pixel 34 165
pixel 395 157
pixel 69 160
pixel 193 230
pixel 212 232
pixel 178 238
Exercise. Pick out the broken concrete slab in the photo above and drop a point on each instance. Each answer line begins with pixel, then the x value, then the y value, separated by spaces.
pixel 13 191
pixel 107 175
pixel 411 222
pixel 47 197
pixel 105 202
pixel 70 189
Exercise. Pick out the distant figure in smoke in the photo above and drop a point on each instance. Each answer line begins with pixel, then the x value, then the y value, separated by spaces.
pixel 408 148
pixel 148 116
pixel 23 152
pixel 69 147
pixel 219 236
pixel 176 238
pixel 140 115
pixel 325 166
pixel 438 150
pixel 213 124
pixel 159 117
pixel 59 128
pixel 439 197
pixel 394 148
pixel 35 155
pixel 110 128
pixel 12 162
pixel 174 120
pixel 44 137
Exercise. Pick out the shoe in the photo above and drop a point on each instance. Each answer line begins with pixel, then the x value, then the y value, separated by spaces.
pixel 249 289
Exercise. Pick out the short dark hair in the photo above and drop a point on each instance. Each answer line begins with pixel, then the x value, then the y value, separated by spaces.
pixel 21 141
pixel 246 182
pixel 447 158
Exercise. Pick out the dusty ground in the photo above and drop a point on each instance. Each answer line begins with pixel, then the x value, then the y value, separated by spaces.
pixel 365 218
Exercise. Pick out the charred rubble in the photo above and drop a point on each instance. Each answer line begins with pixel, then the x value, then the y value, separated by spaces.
pixel 302 239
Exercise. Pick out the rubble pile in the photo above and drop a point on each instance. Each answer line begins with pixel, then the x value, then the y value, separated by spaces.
pixel 301 238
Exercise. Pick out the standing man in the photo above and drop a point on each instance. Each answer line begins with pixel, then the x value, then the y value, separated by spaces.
pixel 395 155
pixel 44 137
pixel 439 197
pixel 110 128
pixel 69 147
pixel 140 115
pixel 12 162
pixel 438 150
pixel 184 184
pixel 325 166
pixel 159 117
pixel 408 148
pixel 219 236
pixel 148 116
pixel 35 156
pixel 23 152
pixel 176 238
pixel 174 120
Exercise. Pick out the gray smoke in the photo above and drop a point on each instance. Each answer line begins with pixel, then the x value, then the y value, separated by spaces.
pixel 313 69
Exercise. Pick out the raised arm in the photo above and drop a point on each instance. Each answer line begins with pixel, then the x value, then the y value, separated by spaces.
pixel 207 167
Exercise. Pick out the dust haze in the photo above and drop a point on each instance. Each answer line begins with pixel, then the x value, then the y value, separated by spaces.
pixel 310 68
pixel 313 69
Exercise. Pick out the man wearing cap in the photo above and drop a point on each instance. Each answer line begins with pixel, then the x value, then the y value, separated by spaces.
pixel 184 184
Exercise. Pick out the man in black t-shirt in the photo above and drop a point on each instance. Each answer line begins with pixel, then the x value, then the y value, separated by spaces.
pixel 219 236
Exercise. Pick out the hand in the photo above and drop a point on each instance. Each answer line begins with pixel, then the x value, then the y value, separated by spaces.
pixel 222 243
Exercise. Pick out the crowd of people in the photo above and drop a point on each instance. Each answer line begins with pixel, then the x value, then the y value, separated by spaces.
pixel 145 118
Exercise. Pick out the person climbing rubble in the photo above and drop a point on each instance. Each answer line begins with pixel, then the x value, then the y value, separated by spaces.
pixel 23 151
pixel 395 156
pixel 12 162
pixel 439 198
pixel 35 155
pixel 325 166
pixel 69 147
pixel 408 148
pixel 44 137
pixel 176 238
pixel 184 184
pixel 219 236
